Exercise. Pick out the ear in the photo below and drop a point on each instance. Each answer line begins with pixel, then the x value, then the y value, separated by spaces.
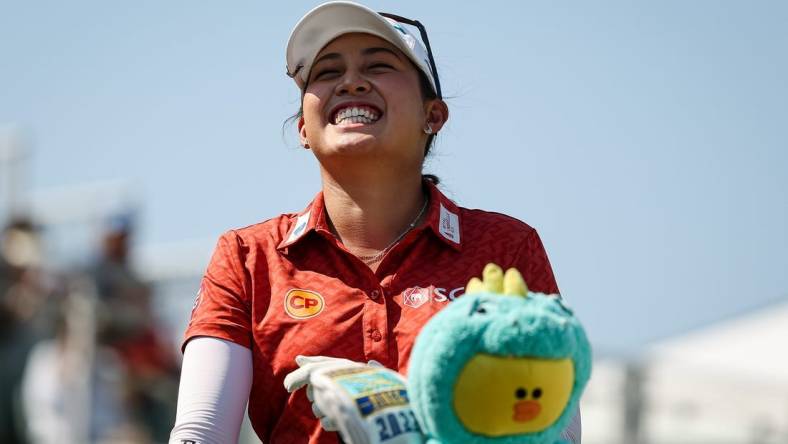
pixel 437 114
pixel 302 133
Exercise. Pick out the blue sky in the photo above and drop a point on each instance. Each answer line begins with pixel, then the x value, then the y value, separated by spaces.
pixel 647 142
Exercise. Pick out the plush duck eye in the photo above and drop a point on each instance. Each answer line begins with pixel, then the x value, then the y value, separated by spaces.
pixel 520 393
pixel 482 307
pixel 537 393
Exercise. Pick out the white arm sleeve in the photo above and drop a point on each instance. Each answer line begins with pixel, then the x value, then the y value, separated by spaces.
pixel 216 377
pixel 572 432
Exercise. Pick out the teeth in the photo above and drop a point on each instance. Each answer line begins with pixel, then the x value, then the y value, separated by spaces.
pixel 355 115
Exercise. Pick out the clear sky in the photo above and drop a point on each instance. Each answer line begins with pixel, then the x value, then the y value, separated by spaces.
pixel 646 141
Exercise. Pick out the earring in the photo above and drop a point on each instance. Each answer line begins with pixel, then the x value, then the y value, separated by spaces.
pixel 306 145
pixel 428 129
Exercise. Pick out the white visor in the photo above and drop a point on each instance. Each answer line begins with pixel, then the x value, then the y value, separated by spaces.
pixel 330 20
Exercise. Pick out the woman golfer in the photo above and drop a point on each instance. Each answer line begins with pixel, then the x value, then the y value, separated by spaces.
pixel 362 267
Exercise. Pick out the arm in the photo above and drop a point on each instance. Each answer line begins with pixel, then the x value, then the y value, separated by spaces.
pixel 572 432
pixel 215 381
pixel 535 267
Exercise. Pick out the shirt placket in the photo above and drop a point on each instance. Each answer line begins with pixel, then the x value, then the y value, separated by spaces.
pixel 373 318
pixel 378 333
pixel 375 325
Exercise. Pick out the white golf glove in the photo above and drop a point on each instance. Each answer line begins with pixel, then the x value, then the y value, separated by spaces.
pixel 300 377
pixel 366 403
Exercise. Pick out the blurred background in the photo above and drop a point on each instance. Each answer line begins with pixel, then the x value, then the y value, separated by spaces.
pixel 647 142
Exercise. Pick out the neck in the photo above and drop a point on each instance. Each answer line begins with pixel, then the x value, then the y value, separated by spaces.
pixel 367 214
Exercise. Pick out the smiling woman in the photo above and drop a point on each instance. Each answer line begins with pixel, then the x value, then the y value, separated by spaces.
pixel 362 99
pixel 333 280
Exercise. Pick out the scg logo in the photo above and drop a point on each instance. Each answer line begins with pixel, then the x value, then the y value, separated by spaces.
pixel 441 295
pixel 415 297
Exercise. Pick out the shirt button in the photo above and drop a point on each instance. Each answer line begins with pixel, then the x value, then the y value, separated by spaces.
pixel 375 335
pixel 374 295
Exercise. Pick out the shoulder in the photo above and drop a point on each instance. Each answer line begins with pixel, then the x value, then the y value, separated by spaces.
pixel 269 232
pixel 478 227
pixel 483 223
pixel 511 243
pixel 239 250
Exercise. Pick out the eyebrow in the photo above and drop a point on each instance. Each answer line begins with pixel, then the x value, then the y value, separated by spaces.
pixel 375 50
pixel 367 51
pixel 329 56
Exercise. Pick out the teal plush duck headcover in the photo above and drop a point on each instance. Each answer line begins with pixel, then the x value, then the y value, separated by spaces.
pixel 499 365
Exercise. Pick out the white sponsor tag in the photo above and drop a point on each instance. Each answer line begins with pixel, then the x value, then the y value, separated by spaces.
pixel 449 225
pixel 300 227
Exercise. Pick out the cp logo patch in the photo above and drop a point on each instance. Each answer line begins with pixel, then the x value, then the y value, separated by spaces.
pixel 415 297
pixel 303 304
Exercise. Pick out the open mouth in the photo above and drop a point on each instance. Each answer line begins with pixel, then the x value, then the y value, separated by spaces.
pixel 355 113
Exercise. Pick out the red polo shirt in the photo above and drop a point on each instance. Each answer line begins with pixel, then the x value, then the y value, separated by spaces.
pixel 287 286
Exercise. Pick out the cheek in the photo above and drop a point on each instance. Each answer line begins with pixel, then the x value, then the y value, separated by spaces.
pixel 407 107
pixel 312 108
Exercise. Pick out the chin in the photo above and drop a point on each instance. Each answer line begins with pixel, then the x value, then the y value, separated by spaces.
pixel 350 144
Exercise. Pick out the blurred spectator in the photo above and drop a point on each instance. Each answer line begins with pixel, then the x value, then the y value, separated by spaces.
pixel 87 365
pixel 26 311
pixel 127 324
pixel 27 290
pixel 71 390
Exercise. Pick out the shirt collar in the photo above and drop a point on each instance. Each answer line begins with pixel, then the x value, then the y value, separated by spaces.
pixel 310 219
pixel 443 218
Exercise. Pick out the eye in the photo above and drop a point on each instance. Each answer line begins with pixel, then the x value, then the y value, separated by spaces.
pixel 537 393
pixel 480 310
pixel 326 73
pixel 520 393
pixel 380 66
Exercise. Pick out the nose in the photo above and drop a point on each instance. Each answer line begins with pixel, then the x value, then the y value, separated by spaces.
pixel 353 83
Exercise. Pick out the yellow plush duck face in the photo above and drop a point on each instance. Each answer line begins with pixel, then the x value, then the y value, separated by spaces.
pixel 498 365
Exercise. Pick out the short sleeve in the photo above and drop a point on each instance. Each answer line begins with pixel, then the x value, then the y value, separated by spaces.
pixel 533 264
pixel 222 307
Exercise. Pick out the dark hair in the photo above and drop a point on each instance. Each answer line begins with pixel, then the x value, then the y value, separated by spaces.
pixel 427 93
pixel 21 223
